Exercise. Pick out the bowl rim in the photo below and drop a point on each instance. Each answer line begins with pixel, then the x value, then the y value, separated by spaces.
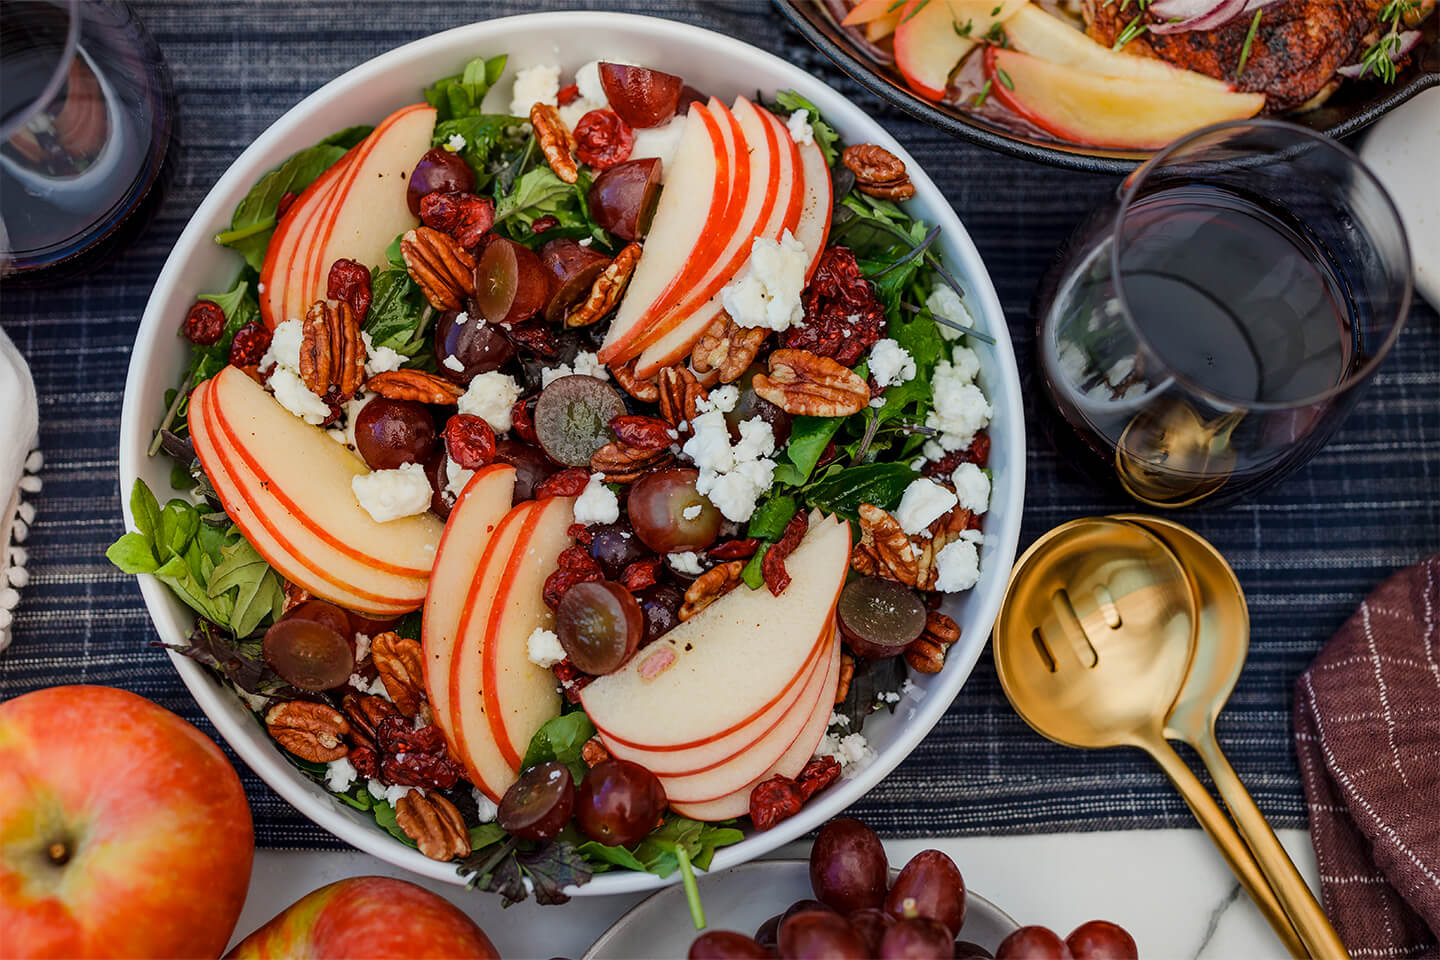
pixel 234 721
pixel 1070 157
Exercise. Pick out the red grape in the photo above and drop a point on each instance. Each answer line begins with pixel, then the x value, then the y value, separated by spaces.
pixel 441 502
pixel 689 95
pixel 574 268
pixel 475 346
pixel 308 654
pixel 531 466
pixel 965 950
pixel 725 945
pixel 800 906
pixel 917 938
pixel 511 284
pixel 622 199
pixel 929 885
pixel 768 933
pixel 323 611
pixel 600 626
pixel 572 418
pixel 1102 940
pixel 615 546
pixel 658 504
pixel 641 96
pixel 879 617
pixel 871 925
pixel 439 171
pixel 819 935
pixel 661 606
pixel 539 804
pixel 1033 943
pixel 848 868
pixel 391 433
pixel 751 405
pixel 619 803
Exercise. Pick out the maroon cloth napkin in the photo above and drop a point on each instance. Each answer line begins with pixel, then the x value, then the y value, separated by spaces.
pixel 1367 731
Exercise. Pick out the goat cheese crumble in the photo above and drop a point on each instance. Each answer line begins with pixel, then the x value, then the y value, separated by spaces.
pixel 766 291
pixel 381 359
pixel 597 503
pixel 537 84
pixel 455 144
pixel 390 794
pixel 686 562
pixel 586 364
pixel 485 808
pixel 490 397
pixel 723 399
pixel 294 396
pixel 890 363
pixel 923 502
pixel 660 142
pixel 543 648
pixel 692 511
pixel 960 407
pixel 946 304
pixel 391 494
pixel 957 566
pixel 799 127
pixel 340 774
pixel 456 477
pixel 852 752
pixel 732 477
pixel 972 487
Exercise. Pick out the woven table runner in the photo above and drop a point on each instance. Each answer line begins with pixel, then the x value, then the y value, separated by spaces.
pixel 1307 551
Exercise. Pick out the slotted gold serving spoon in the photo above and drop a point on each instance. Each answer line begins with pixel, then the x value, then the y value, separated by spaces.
pixel 1221 642
pixel 1169 457
pixel 1093 643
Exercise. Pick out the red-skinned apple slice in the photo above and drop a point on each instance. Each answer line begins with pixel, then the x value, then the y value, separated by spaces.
pixel 520 696
pixel 477 512
pixel 286 545
pixel 815 211
pixel 790 764
pixel 310 475
pixel 1108 111
pixel 475 743
pixel 696 192
pixel 928 45
pixel 289 231
pixel 719 670
pixel 867 10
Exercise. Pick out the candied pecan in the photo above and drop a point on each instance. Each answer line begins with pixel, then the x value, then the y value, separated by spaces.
pixel 734 549
pixel 818 774
pixel 847 674
pixel 572 680
pixel 332 352
pixel 469 441
pixel 440 267
pixel 679 394
pixel 570 482
pixel 350 282
pixel 646 433
pixel 464 216
pixel 727 348
pixel 619 462
pixel 772 565
pixel 416 385
pixel 804 384
pixel 645 391
pixel 592 751
pixel 711 586
pixel 884 549
pixel 205 324
pixel 977 453
pixel 641 574
pixel 522 420
pixel 541 224
pixel 926 653
pixel 574 565
pixel 556 141
pixel 433 771
pixel 878 172
pixel 607 289
pixel 602 139
pixel 365 712
pixel 843 319
pixel 434 824
pixel 249 344
pixel 311 731
pixel 401 666
pixel 533 335
pixel 773 800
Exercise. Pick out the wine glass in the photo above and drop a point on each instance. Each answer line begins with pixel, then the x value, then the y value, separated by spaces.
pixel 1206 332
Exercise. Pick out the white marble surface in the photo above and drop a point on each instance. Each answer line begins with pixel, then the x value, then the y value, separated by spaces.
pixel 1401 149
pixel 1169 888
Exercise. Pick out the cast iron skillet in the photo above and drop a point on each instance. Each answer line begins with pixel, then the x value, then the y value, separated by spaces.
pixel 1354 106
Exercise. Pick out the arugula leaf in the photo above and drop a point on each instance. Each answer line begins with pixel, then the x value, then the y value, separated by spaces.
pixel 561 738
pixel 881 484
pixel 538 192
pixel 460 95
pixel 398 313
pixel 769 519
pixel 699 840
pixel 485 135
pixel 809 436
pixel 789 101
pixel 259 593
pixel 349 137
pixel 610 856
pixel 752 573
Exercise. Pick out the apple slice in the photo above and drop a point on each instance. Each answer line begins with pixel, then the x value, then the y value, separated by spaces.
pixel 933 37
pixel 753 761
pixel 881 27
pixel 520 696
pixel 696 192
pixel 1033 31
pixel 1108 111
pixel 293 226
pixel 790 764
pixel 475 742
pixel 818 204
pixel 721 669
pixel 286 543
pixel 477 512
pixel 867 10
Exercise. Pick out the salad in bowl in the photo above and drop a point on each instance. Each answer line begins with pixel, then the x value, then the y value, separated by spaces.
pixel 577 469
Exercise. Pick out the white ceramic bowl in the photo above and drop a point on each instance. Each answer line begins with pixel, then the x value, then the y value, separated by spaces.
pixel 711 62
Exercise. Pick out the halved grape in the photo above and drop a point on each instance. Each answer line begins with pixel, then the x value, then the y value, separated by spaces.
pixel 768 932
pixel 308 654
pixel 969 950
pixel 641 96
pixel 574 269
pixel 539 804
pixel 619 803
pixel 599 625
pixel 511 284
pixel 391 433
pixel 622 199
pixel 439 171
pixel 474 346
pixel 341 621
pixel 669 514
pixel 879 617
pixel 572 418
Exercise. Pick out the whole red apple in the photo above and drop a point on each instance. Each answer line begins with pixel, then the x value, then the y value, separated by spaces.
pixel 368 917
pixel 124 831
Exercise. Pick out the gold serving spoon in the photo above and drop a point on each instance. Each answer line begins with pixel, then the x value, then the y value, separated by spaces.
pixel 1169 457
pixel 1092 645
pixel 1222 640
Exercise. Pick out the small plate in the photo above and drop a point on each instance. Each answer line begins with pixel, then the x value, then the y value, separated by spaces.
pixel 742 898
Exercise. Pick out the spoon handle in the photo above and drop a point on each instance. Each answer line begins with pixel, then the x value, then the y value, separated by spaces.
pixel 1222 832
pixel 1300 904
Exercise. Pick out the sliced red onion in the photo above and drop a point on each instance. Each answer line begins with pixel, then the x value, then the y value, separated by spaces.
pixel 1408 41
pixel 1184 16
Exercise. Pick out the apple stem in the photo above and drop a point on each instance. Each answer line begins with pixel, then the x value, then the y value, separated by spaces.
pixel 692 889
pixel 59 853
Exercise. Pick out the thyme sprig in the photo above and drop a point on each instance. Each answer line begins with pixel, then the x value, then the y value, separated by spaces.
pixel 1379 59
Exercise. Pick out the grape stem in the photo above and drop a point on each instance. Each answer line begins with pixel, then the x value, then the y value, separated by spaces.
pixel 687 879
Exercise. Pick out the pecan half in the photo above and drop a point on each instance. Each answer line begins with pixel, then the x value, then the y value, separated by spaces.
pixel 878 172
pixel 711 586
pixel 885 550
pixel 926 653
pixel 440 267
pixel 294 595
pixel 366 712
pixel 847 674
pixel 592 751
pixel 680 393
pixel 556 141
pixel 804 384
pixel 434 824
pixel 621 463
pixel 416 385
pixel 311 731
pixel 332 353
pixel 607 289
pixel 401 666
pixel 727 348
pixel 647 433
pixel 645 391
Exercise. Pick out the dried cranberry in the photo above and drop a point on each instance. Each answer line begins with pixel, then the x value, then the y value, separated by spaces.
pixel 350 282
pixel 464 216
pixel 204 324
pixel 544 223
pixel 580 533
pixel 283 206
pixel 843 319
pixel 396 734
pixel 569 482
pixel 977 453
pixel 522 421
pixel 469 441
pixel 818 774
pixel 250 343
pixel 572 680
pixel 534 336
pixel 641 574
pixel 568 94
pixel 433 771
pixel 366 761
pixel 644 433
pixel 574 565
pixel 734 549
pixel 772 565
pixel 773 800
pixel 602 139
